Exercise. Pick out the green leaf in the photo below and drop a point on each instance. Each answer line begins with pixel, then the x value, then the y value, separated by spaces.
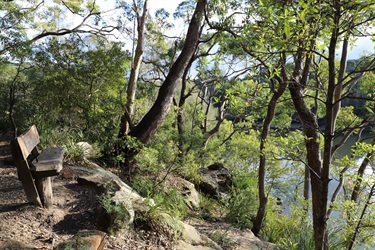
pixel 287 29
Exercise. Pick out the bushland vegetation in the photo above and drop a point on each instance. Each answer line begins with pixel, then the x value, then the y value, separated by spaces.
pixel 264 87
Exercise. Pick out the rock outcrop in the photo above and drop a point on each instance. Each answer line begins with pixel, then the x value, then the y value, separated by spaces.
pixel 110 184
pixel 216 180
pixel 186 188
pixel 123 195
pixel 246 240
pixel 87 149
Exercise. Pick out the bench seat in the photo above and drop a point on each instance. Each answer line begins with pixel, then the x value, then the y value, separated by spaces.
pixel 36 169
pixel 48 163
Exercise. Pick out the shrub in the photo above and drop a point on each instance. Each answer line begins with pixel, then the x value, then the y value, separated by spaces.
pixel 117 213
pixel 242 204
pixel 290 231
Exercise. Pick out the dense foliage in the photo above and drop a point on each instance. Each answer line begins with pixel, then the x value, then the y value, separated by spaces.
pixel 265 87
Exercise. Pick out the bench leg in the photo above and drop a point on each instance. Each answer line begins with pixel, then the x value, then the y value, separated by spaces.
pixel 44 187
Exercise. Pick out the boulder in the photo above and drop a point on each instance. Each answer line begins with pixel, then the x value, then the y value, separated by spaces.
pixel 216 180
pixel 84 239
pixel 186 188
pixel 231 238
pixel 182 245
pixel 87 149
pixel 188 236
pixel 246 240
pixel 119 193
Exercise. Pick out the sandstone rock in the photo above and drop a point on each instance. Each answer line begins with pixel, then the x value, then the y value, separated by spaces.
pixel 85 239
pixel 120 193
pixel 216 180
pixel 186 188
pixel 87 149
pixel 182 245
pixel 246 240
pixel 230 238
pixel 192 196
pixel 189 237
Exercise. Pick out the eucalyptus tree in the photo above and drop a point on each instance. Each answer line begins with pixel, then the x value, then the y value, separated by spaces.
pixel 79 87
pixel 344 21
pixel 140 22
pixel 306 35
pixel 205 80
pixel 151 122
pixel 25 22
pixel 267 65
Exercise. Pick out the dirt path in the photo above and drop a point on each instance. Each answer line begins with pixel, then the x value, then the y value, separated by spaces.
pixel 40 228
pixel 75 208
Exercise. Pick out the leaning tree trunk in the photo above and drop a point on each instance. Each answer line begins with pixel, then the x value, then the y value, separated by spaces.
pixel 262 157
pixel 152 121
pixel 360 173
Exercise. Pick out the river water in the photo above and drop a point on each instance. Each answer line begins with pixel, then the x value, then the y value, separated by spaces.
pixel 341 152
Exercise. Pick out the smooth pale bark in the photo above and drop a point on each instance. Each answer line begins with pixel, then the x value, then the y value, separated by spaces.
pixel 126 122
pixel 152 121
pixel 340 79
pixel 306 187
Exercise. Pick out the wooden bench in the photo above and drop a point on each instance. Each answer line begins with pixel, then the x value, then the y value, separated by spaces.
pixel 35 168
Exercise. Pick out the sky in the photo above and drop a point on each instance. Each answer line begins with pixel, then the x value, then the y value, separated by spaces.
pixel 169 5
pixel 361 46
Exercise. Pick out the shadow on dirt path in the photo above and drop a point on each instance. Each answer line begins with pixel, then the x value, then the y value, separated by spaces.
pixel 4 150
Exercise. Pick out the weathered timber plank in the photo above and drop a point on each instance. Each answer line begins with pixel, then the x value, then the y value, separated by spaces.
pixel 49 160
pixel 28 141
pixel 24 174
pixel 44 187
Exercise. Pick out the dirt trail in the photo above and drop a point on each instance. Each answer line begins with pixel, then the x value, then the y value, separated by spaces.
pixel 40 228
pixel 75 208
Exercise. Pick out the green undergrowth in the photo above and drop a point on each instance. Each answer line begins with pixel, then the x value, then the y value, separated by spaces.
pixel 116 214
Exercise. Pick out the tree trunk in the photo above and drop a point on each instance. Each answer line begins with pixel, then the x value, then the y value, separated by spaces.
pixel 134 73
pixel 306 187
pixel 319 193
pixel 360 173
pixel 152 121
pixel 358 226
pixel 180 111
pixel 319 183
pixel 263 160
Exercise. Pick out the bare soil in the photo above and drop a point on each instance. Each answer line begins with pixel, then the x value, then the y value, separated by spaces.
pixel 75 208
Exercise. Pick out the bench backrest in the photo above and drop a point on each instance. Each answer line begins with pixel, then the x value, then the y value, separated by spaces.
pixel 22 147
pixel 28 141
